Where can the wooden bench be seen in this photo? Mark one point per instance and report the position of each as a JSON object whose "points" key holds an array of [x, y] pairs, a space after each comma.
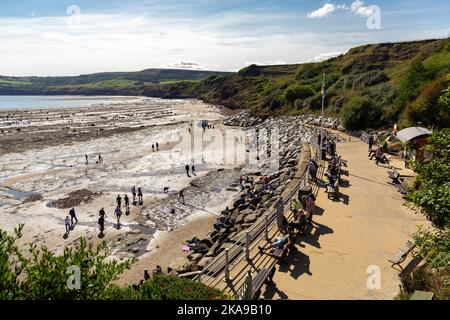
{"points": [[422, 295], [394, 175], [333, 193], [401, 255], [262, 276]]}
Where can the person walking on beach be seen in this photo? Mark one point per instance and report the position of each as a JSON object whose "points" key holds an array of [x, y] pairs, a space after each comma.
{"points": [[119, 201], [67, 224], [187, 170], [100, 159], [133, 192], [101, 224], [281, 219], [157, 146], [118, 214], [73, 216], [153, 147], [102, 213], [181, 196], [193, 170], [87, 159], [127, 204], [140, 197]]}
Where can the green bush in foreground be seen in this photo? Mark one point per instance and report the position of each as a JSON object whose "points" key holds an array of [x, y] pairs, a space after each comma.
{"points": [[40, 275]]}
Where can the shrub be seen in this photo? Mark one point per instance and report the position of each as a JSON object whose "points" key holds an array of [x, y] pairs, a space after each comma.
{"points": [[295, 91], [360, 113], [428, 108]]}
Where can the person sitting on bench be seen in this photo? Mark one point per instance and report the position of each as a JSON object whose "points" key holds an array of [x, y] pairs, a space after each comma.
{"points": [[286, 241], [300, 223], [331, 181]]}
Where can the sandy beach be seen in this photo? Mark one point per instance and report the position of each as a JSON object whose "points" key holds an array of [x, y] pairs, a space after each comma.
{"points": [[44, 174]]}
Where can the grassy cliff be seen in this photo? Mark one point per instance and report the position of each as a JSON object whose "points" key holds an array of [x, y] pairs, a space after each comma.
{"points": [[370, 86]]}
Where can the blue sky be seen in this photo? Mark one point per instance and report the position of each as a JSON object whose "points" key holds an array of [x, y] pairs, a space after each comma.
{"points": [[59, 37]]}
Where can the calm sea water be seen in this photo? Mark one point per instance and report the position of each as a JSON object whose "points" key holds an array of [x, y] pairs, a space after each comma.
{"points": [[42, 102]]}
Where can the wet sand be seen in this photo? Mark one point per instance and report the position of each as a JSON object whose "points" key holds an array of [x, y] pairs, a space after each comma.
{"points": [[45, 160]]}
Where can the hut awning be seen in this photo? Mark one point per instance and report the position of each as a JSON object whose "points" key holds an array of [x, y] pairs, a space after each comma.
{"points": [[412, 133]]}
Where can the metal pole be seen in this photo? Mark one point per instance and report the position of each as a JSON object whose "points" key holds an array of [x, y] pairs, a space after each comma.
{"points": [[321, 120], [227, 269], [247, 246], [248, 286], [266, 229]]}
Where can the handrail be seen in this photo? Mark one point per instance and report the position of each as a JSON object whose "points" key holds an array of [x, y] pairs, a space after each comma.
{"points": [[216, 267]]}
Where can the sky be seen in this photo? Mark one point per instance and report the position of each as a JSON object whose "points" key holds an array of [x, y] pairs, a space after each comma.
{"points": [[59, 37]]}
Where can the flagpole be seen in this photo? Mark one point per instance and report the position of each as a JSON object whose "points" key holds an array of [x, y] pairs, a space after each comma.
{"points": [[321, 120]]}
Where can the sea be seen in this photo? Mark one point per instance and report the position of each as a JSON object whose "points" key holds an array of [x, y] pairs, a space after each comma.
{"points": [[44, 102]]}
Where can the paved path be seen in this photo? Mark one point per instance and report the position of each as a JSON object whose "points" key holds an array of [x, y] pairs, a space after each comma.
{"points": [[366, 227]]}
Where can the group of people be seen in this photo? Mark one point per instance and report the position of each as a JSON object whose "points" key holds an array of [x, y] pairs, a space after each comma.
{"points": [[99, 161], [140, 196], [155, 145], [69, 222], [190, 169]]}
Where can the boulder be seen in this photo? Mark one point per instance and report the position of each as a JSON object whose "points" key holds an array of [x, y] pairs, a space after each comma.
{"points": [[250, 218], [212, 251], [181, 265], [204, 262], [240, 219], [195, 257]]}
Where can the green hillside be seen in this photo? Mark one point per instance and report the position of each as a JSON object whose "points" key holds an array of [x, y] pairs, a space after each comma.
{"points": [[373, 86], [114, 83]]}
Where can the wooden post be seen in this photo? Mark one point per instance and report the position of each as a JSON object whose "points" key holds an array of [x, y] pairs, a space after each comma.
{"points": [[266, 229], [248, 286], [227, 267], [247, 246]]}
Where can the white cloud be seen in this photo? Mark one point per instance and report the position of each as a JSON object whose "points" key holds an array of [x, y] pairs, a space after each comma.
{"points": [[130, 41], [325, 56], [186, 65], [322, 12], [358, 8]]}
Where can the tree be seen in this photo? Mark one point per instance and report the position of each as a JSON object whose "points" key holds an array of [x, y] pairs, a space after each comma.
{"points": [[431, 192], [360, 113], [429, 108]]}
